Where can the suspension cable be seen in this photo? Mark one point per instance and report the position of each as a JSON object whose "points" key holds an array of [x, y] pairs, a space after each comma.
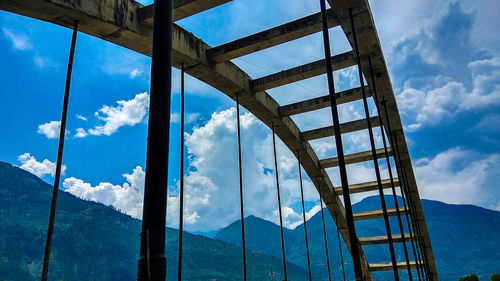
{"points": [[402, 184], [279, 203], [304, 215], [356, 259], [374, 153], [396, 204], [324, 234], [241, 190], [57, 175], [340, 249], [181, 180]]}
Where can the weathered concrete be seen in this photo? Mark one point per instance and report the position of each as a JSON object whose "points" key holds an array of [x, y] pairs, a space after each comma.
{"points": [[348, 127], [376, 240], [272, 37], [322, 102], [367, 186], [377, 214], [354, 158], [182, 9], [302, 72], [388, 266]]}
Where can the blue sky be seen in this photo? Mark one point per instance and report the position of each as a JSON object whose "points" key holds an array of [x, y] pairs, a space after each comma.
{"points": [[444, 61]]}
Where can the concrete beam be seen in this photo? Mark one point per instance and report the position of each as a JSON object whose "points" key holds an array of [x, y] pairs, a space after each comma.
{"points": [[388, 266], [348, 127], [322, 102], [354, 158], [182, 9], [302, 72], [367, 186], [376, 240], [271, 37], [377, 214]]}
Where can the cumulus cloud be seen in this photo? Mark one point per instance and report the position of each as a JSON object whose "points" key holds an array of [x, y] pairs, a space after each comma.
{"points": [[126, 197], [81, 133], [51, 129], [39, 169], [126, 113], [460, 176]]}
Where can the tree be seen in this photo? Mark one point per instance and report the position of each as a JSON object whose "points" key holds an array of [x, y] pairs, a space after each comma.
{"points": [[495, 277], [472, 277]]}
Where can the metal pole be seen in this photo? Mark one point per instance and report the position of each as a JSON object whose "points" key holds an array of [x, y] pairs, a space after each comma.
{"points": [[279, 202], [304, 215], [152, 262], [374, 153], [324, 235], [181, 180], [241, 190], [388, 161], [340, 149], [57, 175]]}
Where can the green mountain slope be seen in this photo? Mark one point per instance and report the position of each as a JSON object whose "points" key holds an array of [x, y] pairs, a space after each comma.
{"points": [[465, 240], [95, 242]]}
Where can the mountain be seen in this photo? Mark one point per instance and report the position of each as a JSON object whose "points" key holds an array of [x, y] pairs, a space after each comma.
{"points": [[465, 240], [95, 242]]}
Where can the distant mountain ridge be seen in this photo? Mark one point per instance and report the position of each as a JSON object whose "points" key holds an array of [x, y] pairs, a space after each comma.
{"points": [[95, 242], [465, 239]]}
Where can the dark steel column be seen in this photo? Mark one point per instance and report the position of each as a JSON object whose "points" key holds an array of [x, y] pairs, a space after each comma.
{"points": [[241, 190], [57, 175], [324, 235], [152, 261], [388, 161], [279, 202], [304, 215], [340, 149], [374, 152], [181, 180]]}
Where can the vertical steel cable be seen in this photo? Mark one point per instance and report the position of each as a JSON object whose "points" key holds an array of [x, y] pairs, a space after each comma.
{"points": [[304, 215], [324, 235], [57, 175], [416, 228], [402, 183], [279, 202], [356, 259], [340, 250], [374, 153], [396, 204], [241, 190], [181, 180]]}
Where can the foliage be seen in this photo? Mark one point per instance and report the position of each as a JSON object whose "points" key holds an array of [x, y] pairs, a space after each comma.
{"points": [[495, 277], [472, 277]]}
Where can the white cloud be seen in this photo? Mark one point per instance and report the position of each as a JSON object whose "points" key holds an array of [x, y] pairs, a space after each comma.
{"points": [[50, 130], [431, 107], [134, 73], [81, 117], [39, 169], [460, 176], [128, 197], [128, 112], [81, 133], [188, 118], [19, 42]]}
